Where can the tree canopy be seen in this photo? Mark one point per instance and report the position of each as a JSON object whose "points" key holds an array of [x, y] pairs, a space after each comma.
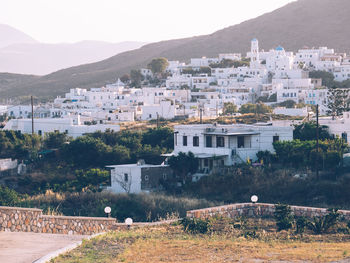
{"points": [[158, 65], [258, 108]]}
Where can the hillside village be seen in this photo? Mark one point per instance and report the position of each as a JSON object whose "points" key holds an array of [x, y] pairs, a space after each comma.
{"points": [[172, 89], [274, 82]]}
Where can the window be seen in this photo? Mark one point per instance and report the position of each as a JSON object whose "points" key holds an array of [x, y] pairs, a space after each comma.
{"points": [[126, 177], [175, 138], [208, 141], [240, 141], [206, 163], [220, 141], [40, 132], [184, 140], [344, 136], [275, 138], [195, 141]]}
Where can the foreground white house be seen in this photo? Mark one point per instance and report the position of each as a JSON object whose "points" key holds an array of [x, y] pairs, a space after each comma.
{"points": [[219, 145], [71, 126], [138, 178]]}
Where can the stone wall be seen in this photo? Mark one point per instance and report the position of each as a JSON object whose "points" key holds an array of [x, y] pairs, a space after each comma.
{"points": [[258, 210], [17, 219]]}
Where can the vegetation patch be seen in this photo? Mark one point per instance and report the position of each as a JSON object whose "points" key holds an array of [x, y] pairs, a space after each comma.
{"points": [[223, 243]]}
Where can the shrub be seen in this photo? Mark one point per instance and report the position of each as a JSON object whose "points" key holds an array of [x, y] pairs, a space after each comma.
{"points": [[8, 197], [195, 225], [321, 225], [300, 222], [283, 217]]}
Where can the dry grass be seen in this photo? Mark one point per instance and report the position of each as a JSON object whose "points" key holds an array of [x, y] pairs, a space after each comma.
{"points": [[170, 244]]}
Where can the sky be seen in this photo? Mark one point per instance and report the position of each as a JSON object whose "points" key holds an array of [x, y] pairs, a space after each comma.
{"points": [[57, 21]]}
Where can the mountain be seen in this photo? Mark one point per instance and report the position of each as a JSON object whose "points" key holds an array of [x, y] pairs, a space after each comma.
{"points": [[298, 24], [42, 59], [10, 35]]}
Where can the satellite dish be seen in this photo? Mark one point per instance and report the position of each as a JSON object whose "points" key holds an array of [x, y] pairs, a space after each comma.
{"points": [[254, 199]]}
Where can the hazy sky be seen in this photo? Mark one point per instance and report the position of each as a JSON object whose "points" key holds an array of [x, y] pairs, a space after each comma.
{"points": [[120, 20]]}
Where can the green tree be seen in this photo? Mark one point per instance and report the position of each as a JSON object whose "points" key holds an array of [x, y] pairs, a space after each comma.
{"points": [[136, 78], [258, 108], [8, 197], [125, 78], [307, 131], [87, 152], [55, 140], [184, 164], [158, 65], [162, 137], [327, 77], [229, 108]]}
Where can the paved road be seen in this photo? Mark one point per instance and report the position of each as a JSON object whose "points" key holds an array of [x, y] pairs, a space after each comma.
{"points": [[22, 247]]}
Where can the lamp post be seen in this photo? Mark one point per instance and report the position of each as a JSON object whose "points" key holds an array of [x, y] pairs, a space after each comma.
{"points": [[128, 222], [254, 199], [108, 211]]}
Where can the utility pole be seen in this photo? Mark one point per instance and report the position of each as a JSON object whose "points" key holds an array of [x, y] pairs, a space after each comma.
{"points": [[216, 108], [317, 146], [31, 100], [200, 115], [157, 120]]}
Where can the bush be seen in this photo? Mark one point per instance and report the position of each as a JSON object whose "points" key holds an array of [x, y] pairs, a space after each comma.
{"points": [[195, 225], [301, 223], [321, 225], [283, 217], [8, 197]]}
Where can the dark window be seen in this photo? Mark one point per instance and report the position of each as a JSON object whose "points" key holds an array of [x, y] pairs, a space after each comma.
{"points": [[184, 140], [240, 141], [276, 138], [195, 141], [126, 177], [175, 138], [220, 141], [208, 141], [40, 132], [344, 136], [206, 162]]}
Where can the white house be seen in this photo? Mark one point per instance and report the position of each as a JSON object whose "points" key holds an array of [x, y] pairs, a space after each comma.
{"points": [[71, 126], [218, 145], [338, 126], [138, 178]]}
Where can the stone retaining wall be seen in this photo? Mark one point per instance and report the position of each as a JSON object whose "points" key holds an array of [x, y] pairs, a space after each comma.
{"points": [[17, 219], [258, 210]]}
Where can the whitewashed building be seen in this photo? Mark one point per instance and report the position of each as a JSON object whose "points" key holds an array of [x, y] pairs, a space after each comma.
{"points": [[71, 126], [138, 178], [219, 145]]}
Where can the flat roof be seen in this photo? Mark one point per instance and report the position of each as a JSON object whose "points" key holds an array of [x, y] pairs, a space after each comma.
{"points": [[136, 165], [232, 133]]}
